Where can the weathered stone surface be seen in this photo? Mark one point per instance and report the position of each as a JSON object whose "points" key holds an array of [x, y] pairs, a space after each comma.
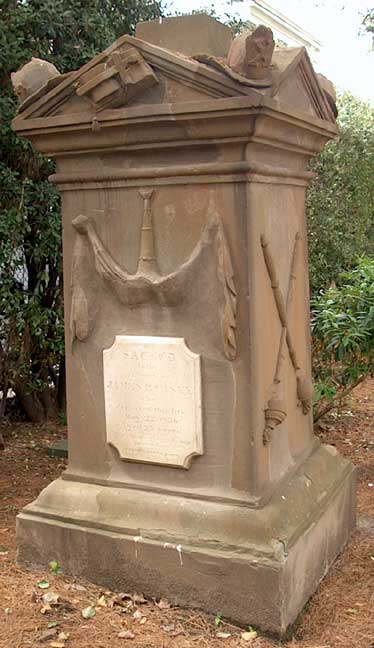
{"points": [[184, 218], [117, 81], [188, 35], [32, 77], [153, 400], [260, 568], [250, 53]]}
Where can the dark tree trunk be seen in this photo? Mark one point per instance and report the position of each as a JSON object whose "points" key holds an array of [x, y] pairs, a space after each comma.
{"points": [[30, 403]]}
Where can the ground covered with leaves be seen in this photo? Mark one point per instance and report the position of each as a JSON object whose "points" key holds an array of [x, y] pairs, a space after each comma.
{"points": [[55, 611]]}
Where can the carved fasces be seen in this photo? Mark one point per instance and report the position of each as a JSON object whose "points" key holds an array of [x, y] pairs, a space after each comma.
{"points": [[114, 83], [275, 411], [251, 53], [147, 284]]}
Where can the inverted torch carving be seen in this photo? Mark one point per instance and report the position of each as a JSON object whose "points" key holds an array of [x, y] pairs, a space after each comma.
{"points": [[147, 284], [275, 412]]}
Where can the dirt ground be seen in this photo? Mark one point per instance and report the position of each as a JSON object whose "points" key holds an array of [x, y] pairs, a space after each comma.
{"points": [[339, 615]]}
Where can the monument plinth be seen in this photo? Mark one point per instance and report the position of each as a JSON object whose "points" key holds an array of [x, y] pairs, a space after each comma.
{"points": [[193, 470]]}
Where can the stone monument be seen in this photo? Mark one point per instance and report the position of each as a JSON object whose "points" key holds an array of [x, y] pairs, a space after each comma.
{"points": [[193, 470]]}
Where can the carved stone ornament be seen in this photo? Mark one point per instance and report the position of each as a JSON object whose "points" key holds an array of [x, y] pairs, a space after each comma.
{"points": [[251, 53], [275, 411], [221, 65], [114, 83], [83, 304], [152, 393], [147, 284]]}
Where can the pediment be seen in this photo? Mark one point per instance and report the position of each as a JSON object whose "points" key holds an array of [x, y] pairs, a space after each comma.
{"points": [[298, 86], [132, 72], [128, 73]]}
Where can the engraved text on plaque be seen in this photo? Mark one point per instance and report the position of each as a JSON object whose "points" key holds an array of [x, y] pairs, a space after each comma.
{"points": [[152, 391]]}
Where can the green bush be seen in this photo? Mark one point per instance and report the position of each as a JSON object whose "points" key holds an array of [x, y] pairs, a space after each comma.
{"points": [[343, 336], [340, 200], [68, 33]]}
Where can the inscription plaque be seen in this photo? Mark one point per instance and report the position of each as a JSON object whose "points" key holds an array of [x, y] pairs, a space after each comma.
{"points": [[152, 390]]}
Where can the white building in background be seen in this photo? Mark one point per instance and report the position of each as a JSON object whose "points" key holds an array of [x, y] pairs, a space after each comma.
{"points": [[331, 31], [284, 29]]}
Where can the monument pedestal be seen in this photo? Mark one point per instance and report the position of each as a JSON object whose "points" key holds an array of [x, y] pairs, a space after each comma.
{"points": [[257, 566], [193, 470]]}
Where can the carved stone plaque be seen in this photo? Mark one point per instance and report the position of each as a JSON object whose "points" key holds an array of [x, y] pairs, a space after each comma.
{"points": [[152, 388]]}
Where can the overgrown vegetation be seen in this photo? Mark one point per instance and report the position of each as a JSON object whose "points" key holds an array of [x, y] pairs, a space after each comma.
{"points": [[340, 203], [343, 336], [68, 34]]}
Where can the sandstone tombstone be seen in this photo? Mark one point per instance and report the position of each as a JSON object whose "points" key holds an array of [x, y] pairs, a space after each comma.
{"points": [[193, 470]]}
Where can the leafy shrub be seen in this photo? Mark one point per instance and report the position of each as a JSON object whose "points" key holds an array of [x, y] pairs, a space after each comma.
{"points": [[340, 200], [67, 33], [343, 336]]}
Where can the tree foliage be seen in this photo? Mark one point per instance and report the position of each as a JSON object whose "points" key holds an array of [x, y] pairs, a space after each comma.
{"points": [[340, 203], [343, 335], [68, 34], [368, 21]]}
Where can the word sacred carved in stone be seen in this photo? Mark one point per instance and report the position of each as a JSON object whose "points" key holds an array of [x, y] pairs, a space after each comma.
{"points": [[152, 390]]}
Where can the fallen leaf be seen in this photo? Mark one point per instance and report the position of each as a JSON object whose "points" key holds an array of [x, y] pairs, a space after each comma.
{"points": [[43, 584], [47, 635], [138, 598], [249, 636], [143, 620], [88, 612], [126, 634], [137, 614], [53, 624], [223, 635], [45, 608], [76, 586], [163, 605], [57, 644], [53, 566], [102, 601], [50, 598], [63, 636], [168, 628], [35, 596]]}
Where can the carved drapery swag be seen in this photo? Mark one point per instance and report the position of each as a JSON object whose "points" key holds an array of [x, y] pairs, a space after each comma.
{"points": [[147, 284]]}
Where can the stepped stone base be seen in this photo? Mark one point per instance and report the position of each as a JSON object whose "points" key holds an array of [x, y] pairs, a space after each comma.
{"points": [[255, 566]]}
